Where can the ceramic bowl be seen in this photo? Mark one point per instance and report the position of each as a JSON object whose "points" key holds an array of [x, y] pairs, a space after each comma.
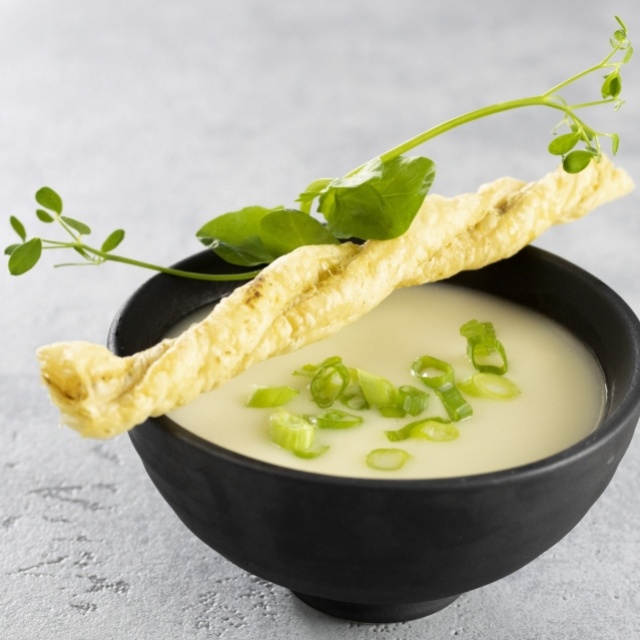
{"points": [[374, 550]]}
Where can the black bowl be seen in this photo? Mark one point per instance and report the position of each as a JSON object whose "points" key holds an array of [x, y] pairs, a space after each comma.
{"points": [[392, 550]]}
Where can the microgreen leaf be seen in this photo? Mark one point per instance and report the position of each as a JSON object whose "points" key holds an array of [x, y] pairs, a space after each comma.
{"points": [[76, 225], [113, 240], [615, 143], [380, 201], [577, 160], [564, 143], [49, 199], [18, 227], [25, 256], [612, 85], [10, 249], [44, 216], [284, 230], [235, 236], [312, 191]]}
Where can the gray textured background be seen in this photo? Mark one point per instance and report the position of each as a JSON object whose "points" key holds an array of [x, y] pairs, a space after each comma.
{"points": [[157, 115]]}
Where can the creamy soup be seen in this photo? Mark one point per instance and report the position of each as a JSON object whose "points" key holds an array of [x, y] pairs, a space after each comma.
{"points": [[561, 400]]}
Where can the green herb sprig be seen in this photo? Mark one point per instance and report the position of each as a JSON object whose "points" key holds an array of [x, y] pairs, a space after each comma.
{"points": [[377, 200]]}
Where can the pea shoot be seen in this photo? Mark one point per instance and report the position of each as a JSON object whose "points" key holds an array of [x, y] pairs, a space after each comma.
{"points": [[377, 200]]}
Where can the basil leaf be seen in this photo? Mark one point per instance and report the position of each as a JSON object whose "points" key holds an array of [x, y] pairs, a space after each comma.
{"points": [[49, 199], [284, 230], [235, 236], [380, 201], [25, 256]]}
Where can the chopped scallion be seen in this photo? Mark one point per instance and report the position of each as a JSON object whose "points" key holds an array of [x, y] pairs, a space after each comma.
{"points": [[435, 373], [314, 451], [412, 400], [291, 431], [392, 412], [294, 433], [335, 419], [310, 370], [490, 385], [387, 459], [486, 352], [397, 435], [378, 391], [435, 429], [328, 384], [352, 396], [264, 397], [456, 406], [438, 375]]}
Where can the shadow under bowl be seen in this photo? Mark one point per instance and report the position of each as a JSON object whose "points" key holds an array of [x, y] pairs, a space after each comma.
{"points": [[374, 550]]}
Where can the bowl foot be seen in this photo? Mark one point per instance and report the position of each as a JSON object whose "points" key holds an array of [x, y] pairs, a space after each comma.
{"points": [[375, 613]]}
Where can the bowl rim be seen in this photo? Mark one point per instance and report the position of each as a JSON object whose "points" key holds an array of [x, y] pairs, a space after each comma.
{"points": [[605, 431]]}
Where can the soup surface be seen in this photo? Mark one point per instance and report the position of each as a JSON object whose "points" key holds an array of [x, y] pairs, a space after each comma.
{"points": [[561, 400]]}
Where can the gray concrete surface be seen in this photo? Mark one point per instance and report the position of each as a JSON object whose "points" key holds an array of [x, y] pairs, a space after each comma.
{"points": [[155, 116]]}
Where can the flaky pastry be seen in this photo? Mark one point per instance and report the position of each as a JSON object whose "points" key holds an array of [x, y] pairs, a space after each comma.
{"points": [[310, 294]]}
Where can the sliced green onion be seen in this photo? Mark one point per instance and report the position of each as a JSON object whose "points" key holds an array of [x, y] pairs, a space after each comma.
{"points": [[433, 372], [392, 412], [378, 392], [291, 431], [335, 419], [314, 451], [490, 385], [455, 405], [271, 397], [296, 434], [438, 375], [397, 435], [328, 384], [412, 400], [387, 459], [435, 429], [352, 396], [483, 347], [407, 399], [490, 357], [310, 370], [354, 399], [474, 330]]}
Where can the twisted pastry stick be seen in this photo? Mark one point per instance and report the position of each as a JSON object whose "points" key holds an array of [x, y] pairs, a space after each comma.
{"points": [[310, 294]]}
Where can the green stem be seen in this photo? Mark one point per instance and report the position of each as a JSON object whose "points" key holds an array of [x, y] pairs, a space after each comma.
{"points": [[168, 270], [464, 119], [595, 103], [584, 73]]}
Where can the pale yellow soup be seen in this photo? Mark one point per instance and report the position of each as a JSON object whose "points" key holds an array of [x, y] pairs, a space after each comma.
{"points": [[561, 400]]}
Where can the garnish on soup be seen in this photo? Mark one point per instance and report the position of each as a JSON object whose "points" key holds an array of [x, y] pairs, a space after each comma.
{"points": [[375, 201]]}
